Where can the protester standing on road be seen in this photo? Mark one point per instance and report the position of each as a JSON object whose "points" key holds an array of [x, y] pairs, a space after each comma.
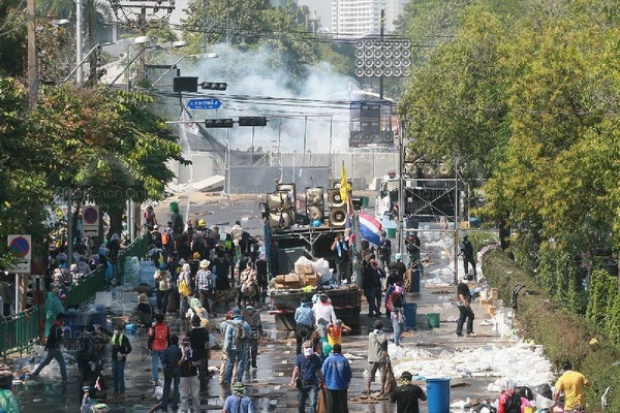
{"points": [[337, 375], [120, 348], [150, 220], [199, 339], [205, 287], [236, 346], [467, 251], [372, 287], [384, 251], [397, 313], [335, 332], [159, 335], [407, 395], [172, 373], [238, 402], [221, 267], [184, 278], [464, 304], [163, 281], [412, 243], [304, 322], [54, 349], [190, 384], [324, 309], [252, 316], [378, 357], [571, 383], [307, 377]]}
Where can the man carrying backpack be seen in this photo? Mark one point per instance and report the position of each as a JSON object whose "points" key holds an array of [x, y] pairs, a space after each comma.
{"points": [[378, 357], [238, 402], [236, 341], [159, 335], [466, 313]]}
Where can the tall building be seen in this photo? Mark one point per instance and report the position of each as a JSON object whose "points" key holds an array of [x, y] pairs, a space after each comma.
{"points": [[359, 18]]}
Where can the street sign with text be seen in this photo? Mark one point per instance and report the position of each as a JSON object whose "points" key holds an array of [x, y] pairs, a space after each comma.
{"points": [[210, 103]]}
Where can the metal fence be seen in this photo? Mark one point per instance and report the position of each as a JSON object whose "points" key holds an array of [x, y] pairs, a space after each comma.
{"points": [[361, 167], [19, 332]]}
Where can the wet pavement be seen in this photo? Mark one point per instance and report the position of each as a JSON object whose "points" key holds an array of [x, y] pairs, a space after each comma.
{"points": [[268, 385]]}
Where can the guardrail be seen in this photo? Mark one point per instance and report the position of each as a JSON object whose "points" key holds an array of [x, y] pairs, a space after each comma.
{"points": [[86, 289], [19, 332]]}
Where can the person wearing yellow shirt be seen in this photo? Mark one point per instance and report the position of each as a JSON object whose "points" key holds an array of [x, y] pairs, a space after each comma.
{"points": [[572, 384], [335, 331]]}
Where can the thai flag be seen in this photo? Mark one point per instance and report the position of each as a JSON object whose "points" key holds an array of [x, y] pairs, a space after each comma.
{"points": [[370, 229]]}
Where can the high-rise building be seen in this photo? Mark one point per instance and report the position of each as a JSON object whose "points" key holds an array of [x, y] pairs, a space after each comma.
{"points": [[359, 18]]}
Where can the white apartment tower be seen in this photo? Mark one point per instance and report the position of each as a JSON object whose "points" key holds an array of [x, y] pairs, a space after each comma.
{"points": [[359, 18]]}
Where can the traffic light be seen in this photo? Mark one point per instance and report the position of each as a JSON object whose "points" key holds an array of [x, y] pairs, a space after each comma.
{"points": [[185, 84], [218, 123], [252, 121], [214, 85]]}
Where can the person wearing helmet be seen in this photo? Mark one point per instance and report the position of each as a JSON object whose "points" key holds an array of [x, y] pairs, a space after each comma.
{"points": [[238, 402], [163, 282]]}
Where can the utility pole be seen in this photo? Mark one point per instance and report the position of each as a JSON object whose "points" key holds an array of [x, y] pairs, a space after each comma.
{"points": [[33, 75], [401, 188], [142, 63], [78, 40], [381, 35], [456, 221], [92, 42]]}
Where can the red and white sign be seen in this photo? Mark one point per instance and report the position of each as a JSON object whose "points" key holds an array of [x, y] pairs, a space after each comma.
{"points": [[90, 220], [20, 247]]}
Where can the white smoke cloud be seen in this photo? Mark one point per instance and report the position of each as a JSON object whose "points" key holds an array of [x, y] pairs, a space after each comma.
{"points": [[311, 114]]}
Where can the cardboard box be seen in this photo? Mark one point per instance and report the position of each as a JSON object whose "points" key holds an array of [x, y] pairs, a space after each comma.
{"points": [[312, 279], [308, 269]]}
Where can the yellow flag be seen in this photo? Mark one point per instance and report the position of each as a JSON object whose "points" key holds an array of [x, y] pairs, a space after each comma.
{"points": [[344, 185]]}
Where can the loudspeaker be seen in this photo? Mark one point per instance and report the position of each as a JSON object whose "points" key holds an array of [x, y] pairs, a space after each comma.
{"points": [[338, 217], [364, 138], [280, 219], [314, 203], [334, 199]]}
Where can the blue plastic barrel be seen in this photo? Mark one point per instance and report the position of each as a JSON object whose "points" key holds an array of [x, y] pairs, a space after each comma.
{"points": [[410, 314], [438, 395]]}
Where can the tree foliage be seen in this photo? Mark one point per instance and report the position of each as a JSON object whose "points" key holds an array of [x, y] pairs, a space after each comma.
{"points": [[527, 92]]}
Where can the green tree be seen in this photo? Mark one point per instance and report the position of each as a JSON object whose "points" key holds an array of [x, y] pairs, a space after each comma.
{"points": [[12, 38]]}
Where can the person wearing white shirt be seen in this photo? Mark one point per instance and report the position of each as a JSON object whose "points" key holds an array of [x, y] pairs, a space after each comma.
{"points": [[324, 309]]}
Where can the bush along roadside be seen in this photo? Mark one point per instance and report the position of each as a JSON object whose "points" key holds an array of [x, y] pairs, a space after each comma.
{"points": [[564, 335]]}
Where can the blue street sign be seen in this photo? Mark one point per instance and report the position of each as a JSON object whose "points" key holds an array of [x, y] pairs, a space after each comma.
{"points": [[209, 103]]}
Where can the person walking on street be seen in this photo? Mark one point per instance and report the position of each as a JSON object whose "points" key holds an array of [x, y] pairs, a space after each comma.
{"points": [[163, 281], [205, 286], [199, 340], [53, 307], [120, 349], [337, 375], [236, 346], [159, 335], [252, 316], [467, 251], [378, 358], [304, 322], [466, 313], [238, 402], [54, 349], [190, 384], [307, 377], [397, 270], [571, 383], [372, 282], [172, 374], [407, 395], [397, 313]]}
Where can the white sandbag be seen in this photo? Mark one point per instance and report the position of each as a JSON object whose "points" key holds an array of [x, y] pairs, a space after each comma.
{"points": [[301, 263], [321, 267]]}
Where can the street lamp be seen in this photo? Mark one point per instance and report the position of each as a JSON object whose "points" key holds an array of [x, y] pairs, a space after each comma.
{"points": [[191, 56], [141, 40]]}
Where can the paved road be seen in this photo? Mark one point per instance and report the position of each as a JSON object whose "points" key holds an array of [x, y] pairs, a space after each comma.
{"points": [[269, 383]]}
